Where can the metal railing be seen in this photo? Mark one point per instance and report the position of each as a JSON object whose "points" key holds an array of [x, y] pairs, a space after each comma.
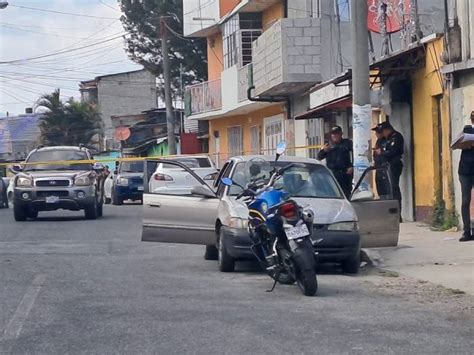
{"points": [[203, 97]]}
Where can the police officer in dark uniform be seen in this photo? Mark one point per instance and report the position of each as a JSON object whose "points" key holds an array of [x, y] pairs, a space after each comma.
{"points": [[393, 152], [466, 177], [381, 177], [338, 155]]}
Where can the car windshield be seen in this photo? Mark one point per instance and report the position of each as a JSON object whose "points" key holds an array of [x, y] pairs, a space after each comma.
{"points": [[131, 167], [305, 180], [192, 163], [57, 157]]}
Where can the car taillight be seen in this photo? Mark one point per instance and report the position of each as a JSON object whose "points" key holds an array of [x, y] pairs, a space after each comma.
{"points": [[162, 177], [288, 210]]}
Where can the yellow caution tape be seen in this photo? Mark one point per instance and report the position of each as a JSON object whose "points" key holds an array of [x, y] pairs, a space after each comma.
{"points": [[112, 159]]}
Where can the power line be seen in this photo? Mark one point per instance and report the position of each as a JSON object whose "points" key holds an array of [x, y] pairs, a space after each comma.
{"points": [[61, 12], [38, 32], [109, 6], [62, 52]]}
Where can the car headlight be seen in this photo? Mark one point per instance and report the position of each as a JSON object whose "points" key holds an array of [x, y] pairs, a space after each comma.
{"points": [[122, 181], [24, 182], [344, 227], [82, 181], [238, 223]]}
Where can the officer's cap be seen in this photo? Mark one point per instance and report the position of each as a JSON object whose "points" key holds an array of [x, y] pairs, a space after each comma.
{"points": [[385, 125], [336, 130]]}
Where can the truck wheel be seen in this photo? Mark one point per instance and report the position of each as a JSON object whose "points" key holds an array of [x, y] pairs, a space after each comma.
{"points": [[19, 213], [91, 211], [352, 265], [116, 200], [32, 213], [226, 262], [211, 253]]}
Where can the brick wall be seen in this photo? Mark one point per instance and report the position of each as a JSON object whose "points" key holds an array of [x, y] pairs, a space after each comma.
{"points": [[125, 94], [288, 53]]}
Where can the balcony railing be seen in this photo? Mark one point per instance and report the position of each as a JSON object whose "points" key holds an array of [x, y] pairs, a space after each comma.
{"points": [[203, 97]]}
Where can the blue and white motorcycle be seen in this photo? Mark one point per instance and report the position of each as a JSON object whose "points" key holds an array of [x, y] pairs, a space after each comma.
{"points": [[280, 229]]}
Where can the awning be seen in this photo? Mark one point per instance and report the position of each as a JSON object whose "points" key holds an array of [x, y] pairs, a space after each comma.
{"points": [[339, 104]]}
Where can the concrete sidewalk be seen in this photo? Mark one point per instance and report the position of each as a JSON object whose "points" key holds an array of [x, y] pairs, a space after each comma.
{"points": [[437, 257]]}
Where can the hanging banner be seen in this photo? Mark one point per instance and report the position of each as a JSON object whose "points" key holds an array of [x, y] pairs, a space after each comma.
{"points": [[397, 13]]}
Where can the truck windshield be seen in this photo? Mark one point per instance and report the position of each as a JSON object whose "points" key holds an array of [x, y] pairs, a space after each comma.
{"points": [[131, 167], [59, 159]]}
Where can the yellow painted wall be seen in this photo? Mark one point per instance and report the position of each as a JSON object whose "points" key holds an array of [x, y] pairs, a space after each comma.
{"points": [[426, 85], [272, 14], [246, 122], [215, 58]]}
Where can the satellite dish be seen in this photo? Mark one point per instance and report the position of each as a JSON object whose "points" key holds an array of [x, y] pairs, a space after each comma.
{"points": [[122, 133]]}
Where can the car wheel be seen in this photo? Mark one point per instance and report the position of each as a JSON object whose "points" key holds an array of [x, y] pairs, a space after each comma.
{"points": [[19, 213], [91, 211], [32, 213], [352, 265], [116, 200], [226, 262], [107, 200], [211, 253]]}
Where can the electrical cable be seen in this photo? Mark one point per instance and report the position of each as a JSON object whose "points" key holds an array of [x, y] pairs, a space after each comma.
{"points": [[61, 12]]}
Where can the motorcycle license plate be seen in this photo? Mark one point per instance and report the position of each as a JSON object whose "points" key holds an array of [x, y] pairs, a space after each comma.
{"points": [[52, 199], [297, 232]]}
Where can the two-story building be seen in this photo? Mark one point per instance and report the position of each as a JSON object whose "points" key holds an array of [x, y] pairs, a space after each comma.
{"points": [[120, 94]]}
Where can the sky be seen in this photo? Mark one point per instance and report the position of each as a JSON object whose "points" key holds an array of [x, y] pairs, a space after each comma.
{"points": [[26, 34]]}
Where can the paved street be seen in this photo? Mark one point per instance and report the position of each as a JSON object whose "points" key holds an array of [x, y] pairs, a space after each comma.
{"points": [[69, 285]]}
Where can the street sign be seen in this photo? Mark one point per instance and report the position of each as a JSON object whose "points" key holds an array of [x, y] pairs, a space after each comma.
{"points": [[397, 13], [122, 133]]}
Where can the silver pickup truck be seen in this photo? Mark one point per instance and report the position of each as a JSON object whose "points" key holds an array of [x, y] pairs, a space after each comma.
{"points": [[51, 180]]}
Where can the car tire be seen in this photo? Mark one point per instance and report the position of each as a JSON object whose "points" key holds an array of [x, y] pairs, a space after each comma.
{"points": [[211, 253], [352, 265], [91, 211], [19, 213], [116, 200], [32, 213], [226, 262], [107, 200]]}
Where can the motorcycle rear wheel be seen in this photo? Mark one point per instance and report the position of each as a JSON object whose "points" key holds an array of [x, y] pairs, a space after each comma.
{"points": [[308, 282]]}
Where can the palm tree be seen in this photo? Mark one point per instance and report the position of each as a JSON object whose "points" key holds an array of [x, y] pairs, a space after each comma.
{"points": [[70, 123]]}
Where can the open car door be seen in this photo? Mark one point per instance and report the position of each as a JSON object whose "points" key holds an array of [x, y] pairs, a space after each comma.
{"points": [[184, 215], [377, 210]]}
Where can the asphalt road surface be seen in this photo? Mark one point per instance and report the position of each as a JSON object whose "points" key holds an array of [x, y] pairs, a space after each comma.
{"points": [[69, 285]]}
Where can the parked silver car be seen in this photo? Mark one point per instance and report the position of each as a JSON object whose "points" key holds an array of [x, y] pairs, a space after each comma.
{"points": [[168, 176], [219, 220]]}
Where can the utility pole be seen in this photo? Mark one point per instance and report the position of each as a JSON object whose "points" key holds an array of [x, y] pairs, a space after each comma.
{"points": [[170, 119], [361, 108]]}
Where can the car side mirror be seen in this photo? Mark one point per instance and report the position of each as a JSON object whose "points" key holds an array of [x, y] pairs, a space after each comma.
{"points": [[202, 191], [15, 169]]}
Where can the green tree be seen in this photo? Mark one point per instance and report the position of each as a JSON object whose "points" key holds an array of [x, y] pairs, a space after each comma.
{"points": [[141, 21], [68, 123]]}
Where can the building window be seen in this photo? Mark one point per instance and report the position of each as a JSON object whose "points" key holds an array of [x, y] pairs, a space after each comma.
{"points": [[255, 140], [342, 10], [234, 141], [239, 32], [273, 133]]}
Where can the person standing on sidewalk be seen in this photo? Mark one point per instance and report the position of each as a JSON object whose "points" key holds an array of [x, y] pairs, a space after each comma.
{"points": [[393, 153], [466, 177], [381, 178], [338, 155]]}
